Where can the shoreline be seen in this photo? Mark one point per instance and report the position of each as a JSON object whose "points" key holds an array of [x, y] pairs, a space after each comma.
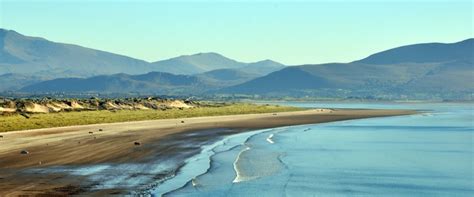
{"points": [[159, 140]]}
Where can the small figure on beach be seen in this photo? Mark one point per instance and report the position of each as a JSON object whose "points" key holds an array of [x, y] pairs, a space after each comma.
{"points": [[137, 143], [24, 152]]}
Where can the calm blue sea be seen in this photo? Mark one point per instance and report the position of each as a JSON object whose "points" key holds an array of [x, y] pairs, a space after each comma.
{"points": [[428, 154]]}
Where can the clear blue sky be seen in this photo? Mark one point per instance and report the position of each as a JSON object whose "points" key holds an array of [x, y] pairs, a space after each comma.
{"points": [[286, 31]]}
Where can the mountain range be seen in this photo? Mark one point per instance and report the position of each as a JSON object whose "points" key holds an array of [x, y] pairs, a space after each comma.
{"points": [[22, 56], [422, 71]]}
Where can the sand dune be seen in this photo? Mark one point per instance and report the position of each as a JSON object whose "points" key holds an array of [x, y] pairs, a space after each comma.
{"points": [[55, 105]]}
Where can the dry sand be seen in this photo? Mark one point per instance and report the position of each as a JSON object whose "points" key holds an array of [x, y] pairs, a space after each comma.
{"points": [[114, 143]]}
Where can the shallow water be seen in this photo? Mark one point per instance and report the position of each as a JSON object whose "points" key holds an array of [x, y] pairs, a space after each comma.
{"points": [[429, 154]]}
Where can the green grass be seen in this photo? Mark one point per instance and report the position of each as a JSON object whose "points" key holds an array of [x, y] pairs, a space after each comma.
{"points": [[36, 121]]}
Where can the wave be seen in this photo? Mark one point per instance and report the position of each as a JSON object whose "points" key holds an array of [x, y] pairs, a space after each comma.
{"points": [[269, 139], [269, 162], [192, 166], [202, 162], [192, 180], [239, 176]]}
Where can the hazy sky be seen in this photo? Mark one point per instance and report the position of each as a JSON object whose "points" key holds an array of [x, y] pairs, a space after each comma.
{"points": [[286, 31]]}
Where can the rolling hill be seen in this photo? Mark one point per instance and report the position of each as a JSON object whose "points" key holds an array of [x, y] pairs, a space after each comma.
{"points": [[415, 71], [153, 82], [150, 83], [423, 53], [11, 81], [226, 77]]}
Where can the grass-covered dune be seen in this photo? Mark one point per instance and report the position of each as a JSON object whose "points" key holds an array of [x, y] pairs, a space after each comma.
{"points": [[47, 120]]}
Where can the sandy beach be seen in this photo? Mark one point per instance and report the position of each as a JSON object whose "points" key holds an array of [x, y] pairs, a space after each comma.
{"points": [[130, 142]]}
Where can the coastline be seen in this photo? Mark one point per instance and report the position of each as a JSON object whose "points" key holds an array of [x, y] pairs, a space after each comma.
{"points": [[159, 139]]}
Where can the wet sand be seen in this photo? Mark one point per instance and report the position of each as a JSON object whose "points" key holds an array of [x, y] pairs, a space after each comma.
{"points": [[114, 143]]}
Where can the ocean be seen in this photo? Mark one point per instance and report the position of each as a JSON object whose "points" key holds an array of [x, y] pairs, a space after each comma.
{"points": [[426, 154]]}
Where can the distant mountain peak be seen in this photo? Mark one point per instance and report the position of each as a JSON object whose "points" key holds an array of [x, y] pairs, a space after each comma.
{"points": [[206, 54], [196, 63], [37, 56], [267, 61], [12, 33], [469, 40], [5, 31], [209, 53]]}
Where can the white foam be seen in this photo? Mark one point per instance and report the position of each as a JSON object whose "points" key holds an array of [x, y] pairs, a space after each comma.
{"points": [[200, 163], [239, 177], [269, 139]]}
